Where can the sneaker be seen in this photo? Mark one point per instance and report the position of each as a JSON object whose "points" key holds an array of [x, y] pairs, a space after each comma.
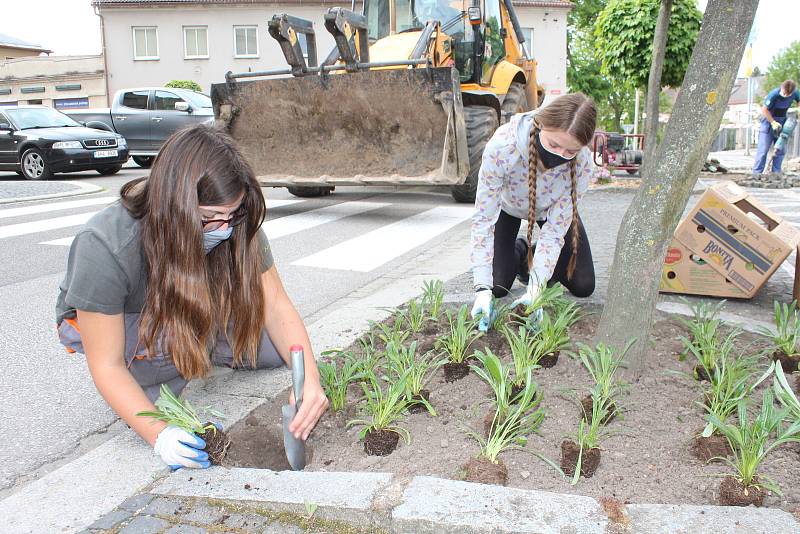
{"points": [[521, 246]]}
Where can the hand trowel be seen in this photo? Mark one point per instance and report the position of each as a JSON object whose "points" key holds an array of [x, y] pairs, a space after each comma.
{"points": [[295, 448]]}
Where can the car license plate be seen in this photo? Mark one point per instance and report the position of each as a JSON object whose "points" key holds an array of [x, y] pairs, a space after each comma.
{"points": [[106, 153]]}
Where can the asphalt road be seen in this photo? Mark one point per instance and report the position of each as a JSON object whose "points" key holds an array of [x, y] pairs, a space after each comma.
{"points": [[324, 249]]}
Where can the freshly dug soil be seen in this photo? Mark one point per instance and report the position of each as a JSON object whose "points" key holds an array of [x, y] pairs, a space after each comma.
{"points": [[586, 411], [701, 374], [416, 406], [549, 360], [259, 443], [483, 470], [217, 444], [455, 371], [646, 455], [569, 459], [714, 446], [789, 363], [732, 493], [380, 442]]}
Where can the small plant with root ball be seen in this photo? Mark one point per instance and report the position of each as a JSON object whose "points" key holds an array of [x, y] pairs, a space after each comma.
{"points": [[786, 338], [337, 378], [416, 370], [456, 342], [383, 410]]}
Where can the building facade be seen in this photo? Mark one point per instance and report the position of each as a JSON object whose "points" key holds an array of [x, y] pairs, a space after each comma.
{"points": [[62, 82], [12, 48], [151, 42]]}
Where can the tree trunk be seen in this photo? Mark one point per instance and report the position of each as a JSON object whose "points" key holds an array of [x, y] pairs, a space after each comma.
{"points": [[654, 81], [651, 219]]}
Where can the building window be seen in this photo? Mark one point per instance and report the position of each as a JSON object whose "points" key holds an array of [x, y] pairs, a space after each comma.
{"points": [[245, 41], [29, 90], [35, 102], [528, 34], [69, 87], [195, 42], [145, 43], [5, 91]]}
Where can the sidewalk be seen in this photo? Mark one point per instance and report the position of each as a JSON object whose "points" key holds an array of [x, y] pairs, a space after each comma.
{"points": [[125, 489], [734, 160], [12, 191]]}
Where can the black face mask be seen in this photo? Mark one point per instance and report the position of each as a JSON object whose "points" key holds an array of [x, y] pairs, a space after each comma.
{"points": [[549, 159]]}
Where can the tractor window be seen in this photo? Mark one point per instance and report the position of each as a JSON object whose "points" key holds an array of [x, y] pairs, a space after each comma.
{"points": [[494, 47], [405, 16], [377, 13]]}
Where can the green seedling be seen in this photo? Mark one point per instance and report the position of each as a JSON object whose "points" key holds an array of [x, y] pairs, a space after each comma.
{"points": [[394, 333], [602, 363], [730, 384], [335, 380], [500, 318], [432, 298], [461, 335], [567, 312], [417, 370], [414, 316], [703, 326], [179, 412], [523, 344], [708, 351], [547, 298], [589, 435], [786, 337], [492, 371], [311, 508], [383, 408], [784, 393], [750, 441], [553, 335]]}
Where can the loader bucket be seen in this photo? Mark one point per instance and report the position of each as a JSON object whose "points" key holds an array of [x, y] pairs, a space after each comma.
{"points": [[389, 126]]}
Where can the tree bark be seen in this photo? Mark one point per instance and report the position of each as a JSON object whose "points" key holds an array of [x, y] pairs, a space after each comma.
{"points": [[651, 219], [654, 81]]}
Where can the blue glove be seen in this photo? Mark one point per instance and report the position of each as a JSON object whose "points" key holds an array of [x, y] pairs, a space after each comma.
{"points": [[178, 448], [483, 308]]}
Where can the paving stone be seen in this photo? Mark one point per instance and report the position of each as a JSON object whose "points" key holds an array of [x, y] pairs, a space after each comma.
{"points": [[249, 522], [185, 529], [144, 524], [205, 514], [164, 506], [137, 502], [282, 528], [111, 519]]}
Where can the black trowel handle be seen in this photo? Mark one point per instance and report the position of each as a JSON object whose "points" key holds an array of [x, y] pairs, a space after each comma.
{"points": [[298, 373]]}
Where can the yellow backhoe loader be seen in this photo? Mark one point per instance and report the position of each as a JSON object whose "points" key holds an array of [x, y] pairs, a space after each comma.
{"points": [[410, 95]]}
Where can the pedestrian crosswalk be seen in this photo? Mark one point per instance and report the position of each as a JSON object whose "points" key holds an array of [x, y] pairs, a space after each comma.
{"points": [[377, 239]]}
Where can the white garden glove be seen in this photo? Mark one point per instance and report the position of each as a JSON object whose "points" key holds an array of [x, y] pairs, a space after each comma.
{"points": [[178, 448], [482, 309], [776, 127], [530, 296]]}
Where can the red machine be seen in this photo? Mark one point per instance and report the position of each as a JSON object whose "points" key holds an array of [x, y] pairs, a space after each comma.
{"points": [[613, 151]]}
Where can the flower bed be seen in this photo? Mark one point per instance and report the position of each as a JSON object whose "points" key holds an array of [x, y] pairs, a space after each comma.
{"points": [[649, 451]]}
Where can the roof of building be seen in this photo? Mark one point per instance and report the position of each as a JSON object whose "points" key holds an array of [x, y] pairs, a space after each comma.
{"points": [[739, 91], [125, 3], [12, 42]]}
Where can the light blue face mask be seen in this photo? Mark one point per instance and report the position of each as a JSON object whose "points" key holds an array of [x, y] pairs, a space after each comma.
{"points": [[215, 237]]}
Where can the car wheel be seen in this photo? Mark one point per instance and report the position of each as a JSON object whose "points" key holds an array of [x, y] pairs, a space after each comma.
{"points": [[34, 166], [108, 171], [144, 161], [19, 172]]}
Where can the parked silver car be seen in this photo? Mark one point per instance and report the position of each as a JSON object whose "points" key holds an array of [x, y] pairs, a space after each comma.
{"points": [[147, 116]]}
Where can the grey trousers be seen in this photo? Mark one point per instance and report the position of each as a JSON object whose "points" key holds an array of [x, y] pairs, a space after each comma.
{"points": [[152, 371]]}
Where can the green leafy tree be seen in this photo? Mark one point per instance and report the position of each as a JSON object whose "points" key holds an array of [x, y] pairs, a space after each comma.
{"points": [[784, 66], [624, 38], [185, 84]]}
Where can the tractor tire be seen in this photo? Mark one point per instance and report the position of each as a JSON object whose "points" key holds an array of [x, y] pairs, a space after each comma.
{"points": [[144, 162], [516, 101], [481, 123], [310, 192]]}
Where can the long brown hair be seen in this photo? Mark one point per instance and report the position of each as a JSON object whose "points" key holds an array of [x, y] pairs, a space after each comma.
{"points": [[191, 297], [576, 115]]}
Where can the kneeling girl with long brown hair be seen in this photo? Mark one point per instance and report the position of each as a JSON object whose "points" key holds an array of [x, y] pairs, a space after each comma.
{"points": [[178, 276]]}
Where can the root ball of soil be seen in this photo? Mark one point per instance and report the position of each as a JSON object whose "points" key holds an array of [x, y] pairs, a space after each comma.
{"points": [[714, 446], [733, 493], [789, 363], [484, 471], [549, 360], [415, 405], [455, 371], [380, 442], [217, 443], [701, 374], [586, 411], [569, 459]]}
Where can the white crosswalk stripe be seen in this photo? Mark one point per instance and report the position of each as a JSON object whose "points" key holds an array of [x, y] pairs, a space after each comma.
{"points": [[57, 206], [300, 222], [373, 249], [44, 225]]}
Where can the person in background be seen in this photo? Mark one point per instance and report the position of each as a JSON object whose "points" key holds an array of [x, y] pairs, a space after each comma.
{"points": [[776, 104]]}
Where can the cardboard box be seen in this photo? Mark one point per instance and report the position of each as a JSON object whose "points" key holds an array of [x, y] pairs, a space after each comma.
{"points": [[688, 274], [737, 236]]}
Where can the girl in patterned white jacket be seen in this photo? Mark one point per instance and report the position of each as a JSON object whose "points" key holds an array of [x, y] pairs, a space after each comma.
{"points": [[535, 167]]}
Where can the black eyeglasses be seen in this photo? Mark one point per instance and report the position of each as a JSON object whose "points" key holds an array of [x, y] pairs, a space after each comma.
{"points": [[236, 218]]}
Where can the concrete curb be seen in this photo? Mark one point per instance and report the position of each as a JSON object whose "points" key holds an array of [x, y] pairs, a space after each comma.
{"points": [[83, 189], [428, 505]]}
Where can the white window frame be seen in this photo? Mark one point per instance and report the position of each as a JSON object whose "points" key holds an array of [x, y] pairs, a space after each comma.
{"points": [[245, 27], [529, 38], [185, 49], [133, 35]]}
